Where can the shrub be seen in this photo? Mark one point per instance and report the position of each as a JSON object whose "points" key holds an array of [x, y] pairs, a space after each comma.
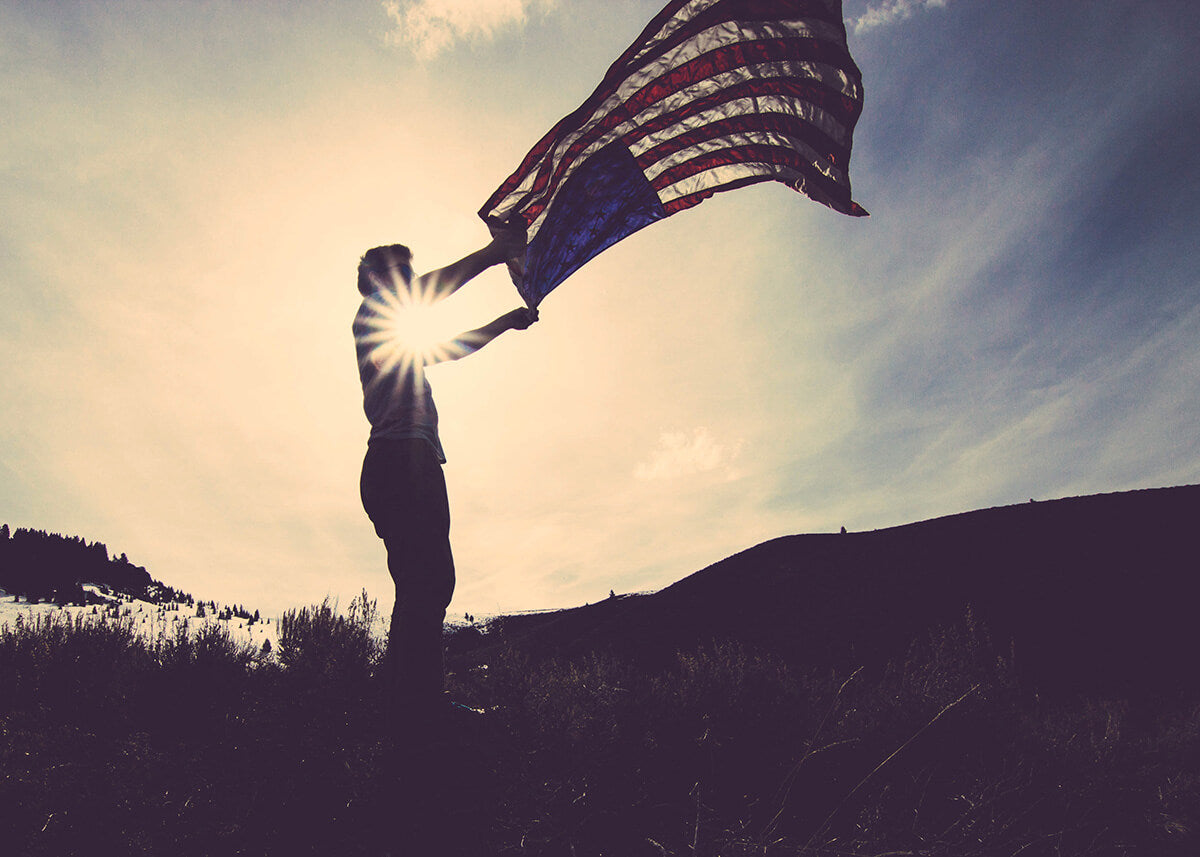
{"points": [[193, 744], [71, 665], [322, 648]]}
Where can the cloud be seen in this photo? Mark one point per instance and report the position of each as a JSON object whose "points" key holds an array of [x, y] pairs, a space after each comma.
{"points": [[892, 12], [680, 453], [429, 27]]}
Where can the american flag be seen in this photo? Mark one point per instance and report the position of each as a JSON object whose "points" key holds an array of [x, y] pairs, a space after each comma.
{"points": [[714, 95]]}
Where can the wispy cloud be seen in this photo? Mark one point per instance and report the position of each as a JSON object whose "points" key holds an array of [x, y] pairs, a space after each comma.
{"points": [[681, 453], [429, 27], [890, 12]]}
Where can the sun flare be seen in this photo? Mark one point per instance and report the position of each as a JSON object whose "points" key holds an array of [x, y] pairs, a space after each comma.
{"points": [[406, 327]]}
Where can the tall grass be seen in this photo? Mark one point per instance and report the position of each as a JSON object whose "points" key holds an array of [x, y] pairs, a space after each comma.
{"points": [[191, 743]]}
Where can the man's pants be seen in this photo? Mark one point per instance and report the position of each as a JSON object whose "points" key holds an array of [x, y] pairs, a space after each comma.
{"points": [[404, 492]]}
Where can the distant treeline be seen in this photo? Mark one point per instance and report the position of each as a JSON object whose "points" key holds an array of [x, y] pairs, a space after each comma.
{"points": [[41, 566]]}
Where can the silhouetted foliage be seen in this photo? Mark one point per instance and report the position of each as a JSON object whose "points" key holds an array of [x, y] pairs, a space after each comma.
{"points": [[45, 566], [726, 746], [190, 743]]}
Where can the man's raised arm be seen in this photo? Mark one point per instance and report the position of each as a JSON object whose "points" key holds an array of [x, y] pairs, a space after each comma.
{"points": [[446, 281], [472, 340]]}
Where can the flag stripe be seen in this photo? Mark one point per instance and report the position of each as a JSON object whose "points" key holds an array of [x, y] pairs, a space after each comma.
{"points": [[754, 153], [715, 180], [681, 20], [726, 59], [779, 119], [736, 147], [724, 11], [713, 95], [685, 47], [685, 107], [769, 89], [748, 156]]}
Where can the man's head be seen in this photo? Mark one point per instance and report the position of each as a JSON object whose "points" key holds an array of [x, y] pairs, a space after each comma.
{"points": [[381, 265]]}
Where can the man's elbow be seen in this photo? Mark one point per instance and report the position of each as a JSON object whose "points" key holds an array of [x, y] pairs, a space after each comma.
{"points": [[455, 349]]}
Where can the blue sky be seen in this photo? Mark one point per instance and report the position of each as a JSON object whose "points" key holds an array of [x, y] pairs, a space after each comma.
{"points": [[186, 188]]}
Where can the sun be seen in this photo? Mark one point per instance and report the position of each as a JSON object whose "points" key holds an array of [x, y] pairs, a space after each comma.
{"points": [[413, 325], [405, 328]]}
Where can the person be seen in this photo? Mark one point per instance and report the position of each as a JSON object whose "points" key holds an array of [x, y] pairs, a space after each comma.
{"points": [[402, 485]]}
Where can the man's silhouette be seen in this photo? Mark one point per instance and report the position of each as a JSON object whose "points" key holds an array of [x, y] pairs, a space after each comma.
{"points": [[403, 488]]}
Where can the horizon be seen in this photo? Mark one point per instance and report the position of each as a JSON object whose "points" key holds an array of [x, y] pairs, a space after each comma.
{"points": [[189, 187], [469, 618]]}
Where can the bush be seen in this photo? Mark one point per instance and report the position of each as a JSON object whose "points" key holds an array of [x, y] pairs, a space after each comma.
{"points": [[193, 744], [320, 645], [71, 665]]}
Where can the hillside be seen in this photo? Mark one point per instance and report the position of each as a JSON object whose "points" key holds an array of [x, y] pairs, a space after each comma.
{"points": [[192, 742], [48, 566], [1094, 593], [51, 576]]}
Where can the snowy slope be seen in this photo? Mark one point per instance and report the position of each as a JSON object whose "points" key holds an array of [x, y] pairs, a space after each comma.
{"points": [[148, 618]]}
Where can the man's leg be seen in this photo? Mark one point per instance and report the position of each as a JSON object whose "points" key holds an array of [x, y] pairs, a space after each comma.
{"points": [[423, 572], [404, 491]]}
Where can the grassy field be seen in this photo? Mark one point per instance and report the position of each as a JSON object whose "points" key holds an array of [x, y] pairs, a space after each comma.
{"points": [[196, 744]]}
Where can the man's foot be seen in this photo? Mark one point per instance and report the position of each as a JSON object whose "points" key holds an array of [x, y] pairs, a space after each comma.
{"points": [[436, 722], [456, 720]]}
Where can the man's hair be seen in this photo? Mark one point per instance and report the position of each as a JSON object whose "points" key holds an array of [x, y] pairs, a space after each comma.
{"points": [[378, 260]]}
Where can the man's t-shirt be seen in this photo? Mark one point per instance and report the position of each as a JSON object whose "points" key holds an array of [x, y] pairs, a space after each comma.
{"points": [[397, 398]]}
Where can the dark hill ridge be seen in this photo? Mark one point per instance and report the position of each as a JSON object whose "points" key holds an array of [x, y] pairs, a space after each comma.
{"points": [[41, 565], [1096, 593]]}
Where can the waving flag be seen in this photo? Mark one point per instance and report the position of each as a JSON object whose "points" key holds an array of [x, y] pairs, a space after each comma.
{"points": [[714, 95]]}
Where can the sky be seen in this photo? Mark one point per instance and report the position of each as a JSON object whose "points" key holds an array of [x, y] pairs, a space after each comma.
{"points": [[186, 187]]}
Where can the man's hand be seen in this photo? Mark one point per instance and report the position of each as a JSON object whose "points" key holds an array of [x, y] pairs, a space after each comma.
{"points": [[472, 340], [521, 318], [508, 242]]}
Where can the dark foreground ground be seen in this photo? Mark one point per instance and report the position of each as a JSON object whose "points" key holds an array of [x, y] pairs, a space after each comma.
{"points": [[192, 745], [1014, 681]]}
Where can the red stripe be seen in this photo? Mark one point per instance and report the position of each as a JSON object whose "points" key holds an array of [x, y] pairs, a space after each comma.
{"points": [[682, 202], [841, 107], [720, 12], [721, 60], [786, 88], [723, 10], [618, 71], [572, 121], [758, 153], [792, 126]]}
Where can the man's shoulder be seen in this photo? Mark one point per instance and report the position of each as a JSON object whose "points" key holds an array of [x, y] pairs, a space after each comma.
{"points": [[368, 309]]}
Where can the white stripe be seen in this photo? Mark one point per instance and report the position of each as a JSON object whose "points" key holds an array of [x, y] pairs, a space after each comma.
{"points": [[680, 19], [764, 104], [787, 105], [768, 138], [713, 37], [726, 173], [834, 174], [725, 35]]}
